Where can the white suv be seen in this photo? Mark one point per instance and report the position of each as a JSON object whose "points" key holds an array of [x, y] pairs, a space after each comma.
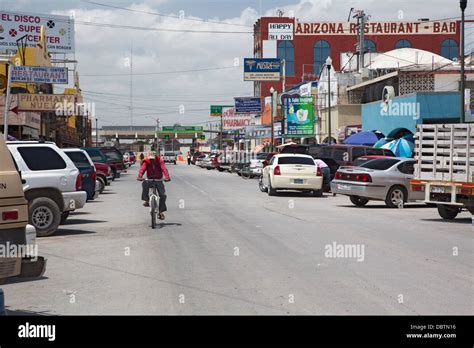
{"points": [[52, 183]]}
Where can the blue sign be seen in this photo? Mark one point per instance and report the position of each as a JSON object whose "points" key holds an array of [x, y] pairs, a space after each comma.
{"points": [[262, 69], [248, 105]]}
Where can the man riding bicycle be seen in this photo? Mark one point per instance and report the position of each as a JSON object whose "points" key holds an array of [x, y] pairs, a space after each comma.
{"points": [[155, 169]]}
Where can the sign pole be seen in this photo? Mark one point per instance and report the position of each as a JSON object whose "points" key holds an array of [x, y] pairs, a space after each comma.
{"points": [[7, 102], [220, 134]]}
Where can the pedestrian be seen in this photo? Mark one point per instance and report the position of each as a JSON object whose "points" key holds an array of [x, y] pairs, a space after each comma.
{"points": [[189, 158], [142, 157], [326, 171]]}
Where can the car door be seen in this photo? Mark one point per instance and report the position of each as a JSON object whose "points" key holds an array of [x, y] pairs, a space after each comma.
{"points": [[407, 170]]}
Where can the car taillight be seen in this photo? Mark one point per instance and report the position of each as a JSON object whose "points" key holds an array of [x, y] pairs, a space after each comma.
{"points": [[94, 174], [109, 170], [79, 183], [277, 171], [338, 176], [363, 177], [468, 191], [418, 188], [10, 215], [318, 171]]}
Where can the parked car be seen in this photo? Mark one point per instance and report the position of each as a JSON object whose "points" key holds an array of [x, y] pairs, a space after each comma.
{"points": [[14, 228], [169, 157], [195, 156], [225, 161], [364, 159], [104, 175], [200, 160], [256, 165], [126, 159], [292, 172], [85, 165], [345, 155], [133, 157], [211, 162], [109, 155], [381, 179], [52, 184]]}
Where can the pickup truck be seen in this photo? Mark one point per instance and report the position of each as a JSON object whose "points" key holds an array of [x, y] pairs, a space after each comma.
{"points": [[14, 228], [169, 157], [52, 183], [444, 168]]}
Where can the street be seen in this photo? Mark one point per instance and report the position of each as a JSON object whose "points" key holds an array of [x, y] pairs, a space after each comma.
{"points": [[227, 248]]}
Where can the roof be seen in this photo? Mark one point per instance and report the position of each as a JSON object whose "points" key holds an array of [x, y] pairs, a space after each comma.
{"points": [[407, 57]]}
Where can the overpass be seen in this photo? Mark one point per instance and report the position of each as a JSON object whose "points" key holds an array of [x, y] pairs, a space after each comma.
{"points": [[149, 132]]}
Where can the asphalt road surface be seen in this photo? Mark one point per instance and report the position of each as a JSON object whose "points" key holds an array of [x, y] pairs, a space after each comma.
{"points": [[227, 248]]}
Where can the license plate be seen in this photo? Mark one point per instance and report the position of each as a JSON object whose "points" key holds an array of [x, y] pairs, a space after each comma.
{"points": [[438, 189], [298, 181], [343, 187]]}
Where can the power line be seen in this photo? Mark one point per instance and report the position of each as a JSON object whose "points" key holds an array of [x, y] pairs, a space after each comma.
{"points": [[161, 72], [164, 15]]}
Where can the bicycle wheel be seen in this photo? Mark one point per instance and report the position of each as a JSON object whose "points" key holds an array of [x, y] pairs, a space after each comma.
{"points": [[153, 207]]}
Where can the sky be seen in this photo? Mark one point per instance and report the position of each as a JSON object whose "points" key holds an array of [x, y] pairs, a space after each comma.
{"points": [[177, 75]]}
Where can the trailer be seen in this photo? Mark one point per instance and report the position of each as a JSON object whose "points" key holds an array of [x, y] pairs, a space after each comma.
{"points": [[444, 168]]}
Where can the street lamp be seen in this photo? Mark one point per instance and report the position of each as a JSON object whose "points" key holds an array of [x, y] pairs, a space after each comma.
{"points": [[272, 91], [328, 65], [463, 5]]}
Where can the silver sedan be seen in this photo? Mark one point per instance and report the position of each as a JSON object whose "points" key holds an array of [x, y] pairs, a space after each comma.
{"points": [[382, 179]]}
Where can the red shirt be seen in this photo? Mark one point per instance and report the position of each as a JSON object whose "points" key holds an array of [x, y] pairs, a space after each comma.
{"points": [[154, 169]]}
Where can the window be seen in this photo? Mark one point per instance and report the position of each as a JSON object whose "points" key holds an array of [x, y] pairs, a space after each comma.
{"points": [[380, 163], [96, 156], [357, 152], [296, 160], [407, 167], [403, 44], [113, 155], [286, 51], [372, 151], [449, 49], [321, 52], [41, 158], [370, 46], [80, 160]]}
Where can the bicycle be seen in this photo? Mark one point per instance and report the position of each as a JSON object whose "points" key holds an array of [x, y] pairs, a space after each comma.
{"points": [[153, 200]]}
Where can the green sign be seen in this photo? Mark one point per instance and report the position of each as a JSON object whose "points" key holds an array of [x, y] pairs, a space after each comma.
{"points": [[182, 129], [299, 117], [216, 110]]}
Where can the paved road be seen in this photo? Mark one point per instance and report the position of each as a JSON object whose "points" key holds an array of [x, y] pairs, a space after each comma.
{"points": [[227, 248]]}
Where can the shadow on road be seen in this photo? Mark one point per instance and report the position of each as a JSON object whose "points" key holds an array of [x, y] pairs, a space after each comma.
{"points": [[106, 193], [64, 232], [18, 280], [20, 312], [164, 224], [455, 221], [382, 206], [81, 222]]}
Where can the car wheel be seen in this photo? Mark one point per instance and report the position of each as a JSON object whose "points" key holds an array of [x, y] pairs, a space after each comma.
{"points": [[447, 212], [270, 190], [45, 215], [261, 185], [317, 193], [64, 217], [396, 196], [102, 184], [358, 201]]}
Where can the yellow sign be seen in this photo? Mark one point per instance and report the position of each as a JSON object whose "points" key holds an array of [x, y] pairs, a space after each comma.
{"points": [[44, 102]]}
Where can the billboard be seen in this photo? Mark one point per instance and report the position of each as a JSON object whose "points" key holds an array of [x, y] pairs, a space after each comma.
{"points": [[280, 31], [232, 120], [43, 102], [248, 105], [377, 28], [262, 69], [15, 25], [216, 110], [299, 116], [39, 74]]}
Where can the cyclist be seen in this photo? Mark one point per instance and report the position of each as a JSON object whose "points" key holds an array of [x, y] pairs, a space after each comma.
{"points": [[155, 168]]}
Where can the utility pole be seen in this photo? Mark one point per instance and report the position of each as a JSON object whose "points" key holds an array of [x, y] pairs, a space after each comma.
{"points": [[7, 101], [361, 19], [131, 85], [463, 5], [96, 132], [221, 134]]}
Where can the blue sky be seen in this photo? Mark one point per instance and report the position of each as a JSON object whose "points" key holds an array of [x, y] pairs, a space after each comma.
{"points": [[104, 50]]}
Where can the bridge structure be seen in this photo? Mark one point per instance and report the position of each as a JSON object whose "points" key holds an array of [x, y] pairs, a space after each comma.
{"points": [[110, 133]]}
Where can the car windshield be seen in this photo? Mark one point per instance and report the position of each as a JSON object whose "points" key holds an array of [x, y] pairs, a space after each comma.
{"points": [[301, 149], [80, 160], [361, 160], [296, 160], [380, 163], [113, 155]]}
